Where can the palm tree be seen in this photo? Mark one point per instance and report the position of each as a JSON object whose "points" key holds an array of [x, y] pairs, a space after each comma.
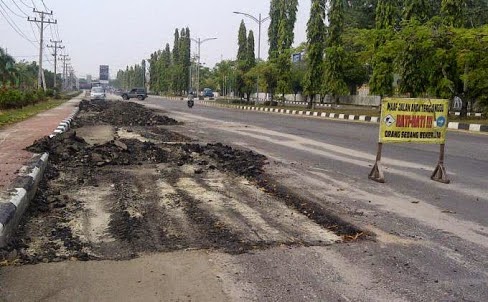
{"points": [[7, 68]]}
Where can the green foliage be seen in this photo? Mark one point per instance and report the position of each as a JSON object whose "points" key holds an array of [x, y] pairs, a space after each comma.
{"points": [[360, 14], [334, 83], [336, 23], [13, 98], [168, 70], [16, 115], [315, 52], [452, 12], [386, 14], [242, 44], [335, 55], [281, 35], [418, 9], [283, 67], [415, 58], [268, 76]]}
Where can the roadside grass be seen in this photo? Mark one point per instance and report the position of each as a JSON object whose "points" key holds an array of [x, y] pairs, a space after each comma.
{"points": [[353, 111], [8, 117]]}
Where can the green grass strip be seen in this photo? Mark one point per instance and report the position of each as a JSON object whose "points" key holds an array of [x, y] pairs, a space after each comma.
{"points": [[12, 116]]}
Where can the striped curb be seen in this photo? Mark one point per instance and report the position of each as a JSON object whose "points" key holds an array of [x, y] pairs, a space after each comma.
{"points": [[457, 113], [18, 197], [23, 189], [362, 118], [65, 124]]}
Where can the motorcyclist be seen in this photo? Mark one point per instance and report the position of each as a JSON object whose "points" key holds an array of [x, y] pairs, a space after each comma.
{"points": [[190, 102]]}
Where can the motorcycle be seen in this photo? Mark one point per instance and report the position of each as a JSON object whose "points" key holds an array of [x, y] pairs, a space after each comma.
{"points": [[190, 102]]}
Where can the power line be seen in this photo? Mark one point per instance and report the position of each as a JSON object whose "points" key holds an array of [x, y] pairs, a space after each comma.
{"points": [[11, 10], [33, 31], [25, 15], [45, 5], [21, 1], [12, 24]]}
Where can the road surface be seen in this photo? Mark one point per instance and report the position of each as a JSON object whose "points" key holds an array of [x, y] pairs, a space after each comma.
{"points": [[429, 241]]}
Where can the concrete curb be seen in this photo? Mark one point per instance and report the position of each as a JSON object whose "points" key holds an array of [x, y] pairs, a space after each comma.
{"points": [[23, 189], [362, 118], [18, 197]]}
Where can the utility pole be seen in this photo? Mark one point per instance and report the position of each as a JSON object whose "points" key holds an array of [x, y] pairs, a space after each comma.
{"points": [[199, 43], [42, 21], [65, 59], [56, 47]]}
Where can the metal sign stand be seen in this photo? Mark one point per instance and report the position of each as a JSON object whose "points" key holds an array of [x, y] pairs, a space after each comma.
{"points": [[376, 173], [440, 173]]}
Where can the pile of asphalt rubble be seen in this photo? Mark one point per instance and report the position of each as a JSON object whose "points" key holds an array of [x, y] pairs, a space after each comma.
{"points": [[142, 154], [71, 154]]}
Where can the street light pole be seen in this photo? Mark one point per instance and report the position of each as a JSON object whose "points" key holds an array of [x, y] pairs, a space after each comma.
{"points": [[199, 43], [259, 21]]}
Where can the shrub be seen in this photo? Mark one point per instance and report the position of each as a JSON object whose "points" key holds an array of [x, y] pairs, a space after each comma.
{"points": [[10, 99]]}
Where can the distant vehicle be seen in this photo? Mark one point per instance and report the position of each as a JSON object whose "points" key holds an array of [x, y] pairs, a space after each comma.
{"points": [[207, 93], [190, 102], [139, 93], [97, 93]]}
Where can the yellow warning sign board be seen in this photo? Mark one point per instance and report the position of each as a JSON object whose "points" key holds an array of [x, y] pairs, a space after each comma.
{"points": [[414, 121]]}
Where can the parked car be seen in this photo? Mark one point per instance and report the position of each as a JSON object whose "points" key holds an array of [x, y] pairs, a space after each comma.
{"points": [[97, 93], [139, 93], [207, 93]]}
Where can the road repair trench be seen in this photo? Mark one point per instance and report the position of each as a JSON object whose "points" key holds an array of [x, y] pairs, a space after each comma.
{"points": [[120, 184]]}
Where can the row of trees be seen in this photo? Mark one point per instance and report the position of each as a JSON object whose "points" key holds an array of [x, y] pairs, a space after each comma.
{"points": [[426, 48], [412, 48], [21, 75], [169, 70], [132, 76]]}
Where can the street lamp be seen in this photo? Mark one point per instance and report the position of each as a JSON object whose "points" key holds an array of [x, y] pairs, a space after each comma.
{"points": [[259, 21], [199, 43]]}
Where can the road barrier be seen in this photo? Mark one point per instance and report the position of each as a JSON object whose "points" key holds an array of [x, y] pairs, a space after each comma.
{"points": [[413, 121]]}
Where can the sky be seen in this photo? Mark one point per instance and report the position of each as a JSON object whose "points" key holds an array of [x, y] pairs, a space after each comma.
{"points": [[121, 32]]}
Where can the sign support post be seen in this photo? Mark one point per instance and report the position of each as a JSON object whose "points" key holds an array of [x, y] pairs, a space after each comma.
{"points": [[376, 173], [440, 173]]}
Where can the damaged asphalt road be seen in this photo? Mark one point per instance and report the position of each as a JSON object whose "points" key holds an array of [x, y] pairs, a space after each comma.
{"points": [[120, 183], [143, 207]]}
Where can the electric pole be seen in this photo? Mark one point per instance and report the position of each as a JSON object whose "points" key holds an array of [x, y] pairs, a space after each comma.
{"points": [[65, 59], [42, 21], [56, 47], [199, 43]]}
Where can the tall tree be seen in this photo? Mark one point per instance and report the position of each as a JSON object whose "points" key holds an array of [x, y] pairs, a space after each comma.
{"points": [[386, 12], [281, 35], [452, 12], [251, 55], [315, 52], [7, 67], [242, 43], [335, 56], [242, 59], [360, 13], [381, 82], [274, 14], [249, 79], [418, 9]]}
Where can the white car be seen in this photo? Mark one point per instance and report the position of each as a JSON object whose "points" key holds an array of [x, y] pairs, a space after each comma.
{"points": [[97, 93]]}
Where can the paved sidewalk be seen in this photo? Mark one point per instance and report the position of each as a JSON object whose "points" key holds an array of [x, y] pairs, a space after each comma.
{"points": [[15, 138]]}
